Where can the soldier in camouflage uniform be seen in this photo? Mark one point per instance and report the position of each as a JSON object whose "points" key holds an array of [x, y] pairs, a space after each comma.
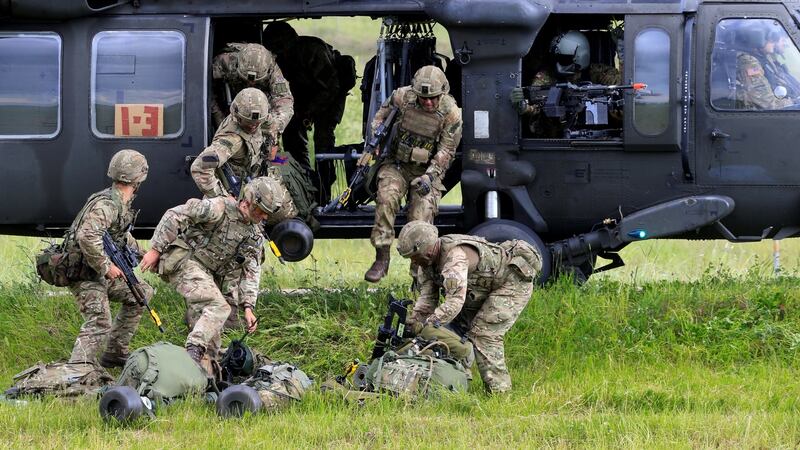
{"points": [[202, 246], [251, 65], [426, 132], [309, 64], [571, 53], [237, 143], [756, 75], [107, 211], [485, 286]]}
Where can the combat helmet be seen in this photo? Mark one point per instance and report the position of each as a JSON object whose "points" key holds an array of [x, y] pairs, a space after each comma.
{"points": [[263, 192], [253, 62], [416, 238], [571, 50], [250, 107], [128, 166], [430, 81]]}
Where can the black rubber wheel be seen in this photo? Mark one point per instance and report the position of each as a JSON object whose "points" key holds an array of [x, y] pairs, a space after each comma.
{"points": [[499, 230], [294, 239], [122, 403], [236, 400]]}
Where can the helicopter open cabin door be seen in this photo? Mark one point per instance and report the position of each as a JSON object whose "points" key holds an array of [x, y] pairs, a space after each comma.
{"points": [[748, 96]]}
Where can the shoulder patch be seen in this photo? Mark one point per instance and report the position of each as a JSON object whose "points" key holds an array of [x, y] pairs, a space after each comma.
{"points": [[451, 285], [227, 142]]}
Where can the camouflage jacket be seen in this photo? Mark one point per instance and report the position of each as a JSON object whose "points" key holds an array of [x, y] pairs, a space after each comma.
{"points": [[214, 233], [274, 85], [756, 90], [309, 65], [231, 144], [103, 211], [466, 271], [438, 132]]}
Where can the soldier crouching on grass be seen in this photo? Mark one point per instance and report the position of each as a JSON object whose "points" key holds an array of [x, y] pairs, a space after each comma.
{"points": [[106, 211], [486, 287], [201, 246]]}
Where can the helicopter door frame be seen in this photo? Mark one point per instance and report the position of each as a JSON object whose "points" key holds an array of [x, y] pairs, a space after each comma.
{"points": [[737, 146]]}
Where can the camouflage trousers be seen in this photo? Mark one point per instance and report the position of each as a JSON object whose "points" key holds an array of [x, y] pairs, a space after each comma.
{"points": [[206, 307], [490, 325], [93, 299], [393, 186]]}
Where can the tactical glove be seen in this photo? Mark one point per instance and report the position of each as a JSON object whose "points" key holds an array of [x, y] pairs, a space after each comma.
{"points": [[517, 98], [422, 184]]}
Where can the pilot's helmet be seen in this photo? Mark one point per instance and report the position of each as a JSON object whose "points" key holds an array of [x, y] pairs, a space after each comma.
{"points": [[752, 36], [250, 107], [430, 81], [416, 238], [276, 36], [254, 62], [128, 166], [263, 192], [571, 51]]}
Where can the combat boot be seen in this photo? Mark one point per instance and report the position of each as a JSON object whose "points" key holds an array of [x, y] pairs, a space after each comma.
{"points": [[379, 267], [109, 359], [196, 353]]}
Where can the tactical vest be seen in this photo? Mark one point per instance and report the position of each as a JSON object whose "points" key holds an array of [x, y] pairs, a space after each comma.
{"points": [[490, 272], [249, 164], [119, 227], [416, 131], [224, 249]]}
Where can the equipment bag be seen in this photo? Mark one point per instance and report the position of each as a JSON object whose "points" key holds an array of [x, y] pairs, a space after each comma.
{"points": [[57, 267], [345, 71], [163, 372], [63, 379], [415, 376], [278, 384]]}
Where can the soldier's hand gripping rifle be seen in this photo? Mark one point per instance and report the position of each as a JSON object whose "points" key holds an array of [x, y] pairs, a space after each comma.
{"points": [[125, 259], [234, 185], [389, 334], [362, 167]]}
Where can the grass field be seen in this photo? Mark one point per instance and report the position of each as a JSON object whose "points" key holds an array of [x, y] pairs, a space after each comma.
{"points": [[692, 345]]}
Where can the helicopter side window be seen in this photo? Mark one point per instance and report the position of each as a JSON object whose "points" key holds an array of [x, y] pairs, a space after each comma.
{"points": [[30, 87], [651, 66], [138, 84], [754, 66]]}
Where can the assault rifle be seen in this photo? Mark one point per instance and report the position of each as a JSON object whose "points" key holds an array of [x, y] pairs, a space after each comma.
{"points": [[125, 259], [234, 186], [564, 101], [362, 167], [391, 334]]}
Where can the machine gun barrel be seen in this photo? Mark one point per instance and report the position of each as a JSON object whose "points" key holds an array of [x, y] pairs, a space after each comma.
{"points": [[125, 259]]}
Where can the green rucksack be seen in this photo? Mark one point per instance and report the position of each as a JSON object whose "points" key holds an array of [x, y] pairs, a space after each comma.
{"points": [[163, 372]]}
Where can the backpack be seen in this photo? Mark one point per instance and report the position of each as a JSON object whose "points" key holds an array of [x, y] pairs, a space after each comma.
{"points": [[415, 375], [63, 379], [345, 71], [163, 372], [278, 384]]}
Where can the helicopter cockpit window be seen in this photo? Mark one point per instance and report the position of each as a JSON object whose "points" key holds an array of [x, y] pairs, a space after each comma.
{"points": [[754, 66], [651, 66], [30, 75], [138, 84]]}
